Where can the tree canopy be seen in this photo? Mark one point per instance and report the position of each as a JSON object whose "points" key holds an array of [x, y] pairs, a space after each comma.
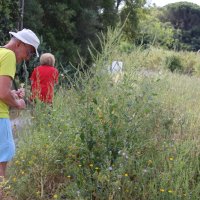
{"points": [[68, 27], [185, 17], [9, 15]]}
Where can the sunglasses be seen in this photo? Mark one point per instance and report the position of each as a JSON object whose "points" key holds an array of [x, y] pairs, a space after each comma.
{"points": [[29, 52]]}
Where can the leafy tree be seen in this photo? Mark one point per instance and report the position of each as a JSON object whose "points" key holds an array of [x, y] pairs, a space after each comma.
{"points": [[69, 26], [131, 13], [34, 9], [153, 32], [184, 17], [109, 14], [9, 15], [52, 20]]}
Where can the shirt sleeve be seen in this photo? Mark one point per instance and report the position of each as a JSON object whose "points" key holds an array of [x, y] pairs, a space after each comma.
{"points": [[8, 65]]}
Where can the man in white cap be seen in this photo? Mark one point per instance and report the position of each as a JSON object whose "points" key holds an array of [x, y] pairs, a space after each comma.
{"points": [[21, 46]]}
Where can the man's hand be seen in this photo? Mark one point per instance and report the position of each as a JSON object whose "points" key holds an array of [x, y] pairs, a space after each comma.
{"points": [[21, 104], [20, 93], [10, 97]]}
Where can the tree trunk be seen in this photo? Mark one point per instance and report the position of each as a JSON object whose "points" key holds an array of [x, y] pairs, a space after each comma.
{"points": [[21, 7]]}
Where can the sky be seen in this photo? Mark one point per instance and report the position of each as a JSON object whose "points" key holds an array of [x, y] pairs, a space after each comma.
{"points": [[161, 3]]}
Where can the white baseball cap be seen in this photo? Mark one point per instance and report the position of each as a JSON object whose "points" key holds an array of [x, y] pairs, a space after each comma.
{"points": [[28, 37]]}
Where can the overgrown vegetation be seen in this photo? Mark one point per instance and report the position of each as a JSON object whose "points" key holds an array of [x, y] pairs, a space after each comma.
{"points": [[128, 135], [132, 138]]}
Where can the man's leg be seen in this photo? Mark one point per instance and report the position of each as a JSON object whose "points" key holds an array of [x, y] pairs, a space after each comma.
{"points": [[7, 149], [2, 177], [3, 169]]}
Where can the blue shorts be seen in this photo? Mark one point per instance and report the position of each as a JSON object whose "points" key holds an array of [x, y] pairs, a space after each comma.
{"points": [[7, 145]]}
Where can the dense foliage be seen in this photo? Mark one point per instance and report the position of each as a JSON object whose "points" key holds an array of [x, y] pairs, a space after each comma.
{"points": [[154, 32], [9, 16], [185, 17], [67, 28]]}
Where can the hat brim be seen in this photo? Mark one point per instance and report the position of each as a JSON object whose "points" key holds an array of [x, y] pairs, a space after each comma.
{"points": [[23, 40]]}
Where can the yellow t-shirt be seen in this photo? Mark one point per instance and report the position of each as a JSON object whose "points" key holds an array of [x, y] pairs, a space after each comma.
{"points": [[7, 68]]}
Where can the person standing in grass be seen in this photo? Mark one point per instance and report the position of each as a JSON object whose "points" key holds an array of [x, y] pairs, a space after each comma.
{"points": [[22, 45], [44, 78]]}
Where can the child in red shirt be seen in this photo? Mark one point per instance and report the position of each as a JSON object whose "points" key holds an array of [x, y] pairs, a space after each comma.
{"points": [[44, 78]]}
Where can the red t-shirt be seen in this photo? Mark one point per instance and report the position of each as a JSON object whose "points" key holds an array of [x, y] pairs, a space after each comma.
{"points": [[43, 80]]}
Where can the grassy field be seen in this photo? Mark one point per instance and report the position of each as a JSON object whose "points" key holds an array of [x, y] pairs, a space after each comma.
{"points": [[135, 136]]}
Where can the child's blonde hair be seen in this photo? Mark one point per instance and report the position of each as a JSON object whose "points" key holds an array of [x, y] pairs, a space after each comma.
{"points": [[47, 59]]}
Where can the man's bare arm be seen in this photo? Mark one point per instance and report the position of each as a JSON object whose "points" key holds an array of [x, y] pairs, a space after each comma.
{"points": [[6, 94]]}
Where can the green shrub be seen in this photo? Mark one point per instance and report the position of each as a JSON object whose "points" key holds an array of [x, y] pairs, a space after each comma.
{"points": [[173, 63]]}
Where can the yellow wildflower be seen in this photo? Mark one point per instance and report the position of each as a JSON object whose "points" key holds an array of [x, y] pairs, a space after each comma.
{"points": [[30, 162], [149, 162], [17, 162], [126, 174]]}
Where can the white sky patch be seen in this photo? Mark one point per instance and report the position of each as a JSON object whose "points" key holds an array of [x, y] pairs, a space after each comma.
{"points": [[161, 3]]}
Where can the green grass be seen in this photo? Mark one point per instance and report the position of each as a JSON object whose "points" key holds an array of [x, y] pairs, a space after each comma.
{"points": [[136, 138]]}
